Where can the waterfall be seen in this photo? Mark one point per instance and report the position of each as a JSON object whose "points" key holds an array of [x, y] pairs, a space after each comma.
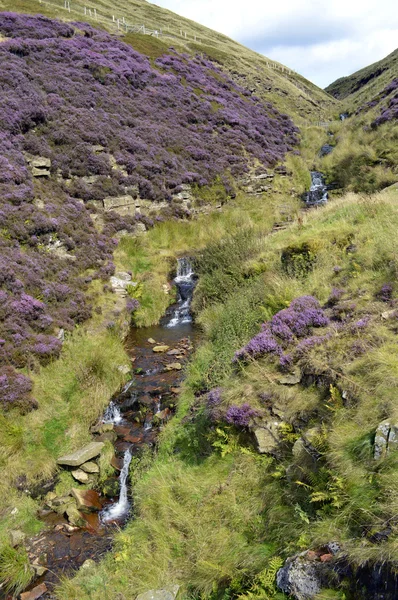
{"points": [[185, 283], [121, 507], [112, 414], [318, 193]]}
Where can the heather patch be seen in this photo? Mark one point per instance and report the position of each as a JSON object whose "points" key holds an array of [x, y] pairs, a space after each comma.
{"points": [[109, 122], [388, 112], [285, 329]]}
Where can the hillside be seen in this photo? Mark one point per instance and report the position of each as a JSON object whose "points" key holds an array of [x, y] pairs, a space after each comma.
{"points": [[365, 84], [187, 346], [287, 90]]}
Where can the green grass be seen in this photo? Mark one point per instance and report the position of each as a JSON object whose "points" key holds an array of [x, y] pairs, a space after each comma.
{"points": [[207, 491], [72, 392]]}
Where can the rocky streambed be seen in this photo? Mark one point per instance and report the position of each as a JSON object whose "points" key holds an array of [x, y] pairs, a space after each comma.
{"points": [[81, 523]]}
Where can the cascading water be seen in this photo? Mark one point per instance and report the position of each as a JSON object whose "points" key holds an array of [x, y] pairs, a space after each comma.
{"points": [[112, 414], [121, 508], [318, 193], [185, 283]]}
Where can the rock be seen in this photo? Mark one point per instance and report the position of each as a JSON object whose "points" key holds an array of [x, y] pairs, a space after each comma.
{"points": [[291, 378], [168, 593], [87, 500], [388, 314], [39, 570], [81, 456], [381, 440], [160, 348], [90, 467], [74, 516], [80, 476], [139, 229], [300, 577], [88, 564], [39, 165], [173, 352], [268, 437], [17, 537], [386, 439], [151, 341], [123, 205], [174, 366], [120, 281], [35, 593], [124, 369], [163, 414], [108, 436], [326, 558], [40, 162], [101, 428]]}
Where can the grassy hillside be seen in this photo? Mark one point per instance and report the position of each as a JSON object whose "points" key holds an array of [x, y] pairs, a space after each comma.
{"points": [[365, 84], [211, 514], [288, 91]]}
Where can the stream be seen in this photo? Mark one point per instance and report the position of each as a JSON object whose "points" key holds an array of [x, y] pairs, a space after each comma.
{"points": [[318, 193], [132, 421]]}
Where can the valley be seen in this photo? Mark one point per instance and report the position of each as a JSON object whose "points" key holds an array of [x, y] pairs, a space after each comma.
{"points": [[199, 278]]}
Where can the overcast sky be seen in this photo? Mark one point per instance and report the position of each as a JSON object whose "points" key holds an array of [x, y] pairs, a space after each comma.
{"points": [[319, 39]]}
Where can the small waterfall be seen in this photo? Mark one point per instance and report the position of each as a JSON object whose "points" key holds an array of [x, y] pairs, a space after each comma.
{"points": [[318, 193], [121, 507], [185, 283], [112, 414]]}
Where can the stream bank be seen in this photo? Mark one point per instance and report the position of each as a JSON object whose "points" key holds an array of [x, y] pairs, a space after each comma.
{"points": [[132, 422]]}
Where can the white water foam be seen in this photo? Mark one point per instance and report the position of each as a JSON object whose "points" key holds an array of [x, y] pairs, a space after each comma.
{"points": [[112, 414], [122, 506], [185, 283]]}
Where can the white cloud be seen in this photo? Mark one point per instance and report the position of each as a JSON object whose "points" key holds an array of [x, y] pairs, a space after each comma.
{"points": [[321, 39]]}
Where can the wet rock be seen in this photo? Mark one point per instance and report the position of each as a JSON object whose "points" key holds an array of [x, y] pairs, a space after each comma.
{"points": [[168, 593], [325, 150], [90, 467], [151, 341], [87, 500], [162, 415], [80, 476], [74, 516], [160, 349], [35, 593], [17, 537], [268, 437], [81, 456], [116, 463], [173, 352], [300, 577]]}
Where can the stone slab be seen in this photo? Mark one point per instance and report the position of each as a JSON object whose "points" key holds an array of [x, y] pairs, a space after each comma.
{"points": [[81, 456]]}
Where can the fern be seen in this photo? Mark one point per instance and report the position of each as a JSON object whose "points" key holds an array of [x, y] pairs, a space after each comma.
{"points": [[264, 587]]}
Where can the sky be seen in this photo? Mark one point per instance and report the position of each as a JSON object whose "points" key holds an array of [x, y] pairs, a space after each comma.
{"points": [[320, 40]]}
